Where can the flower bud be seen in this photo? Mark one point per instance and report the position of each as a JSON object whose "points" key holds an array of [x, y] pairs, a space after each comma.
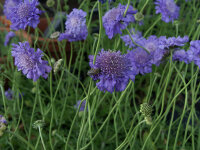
{"points": [[50, 3], [139, 16]]}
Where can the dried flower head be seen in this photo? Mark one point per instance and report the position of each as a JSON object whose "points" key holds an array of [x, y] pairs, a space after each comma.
{"points": [[146, 111], [55, 35], [29, 61], [114, 70], [25, 14], [38, 124], [75, 26], [57, 65]]}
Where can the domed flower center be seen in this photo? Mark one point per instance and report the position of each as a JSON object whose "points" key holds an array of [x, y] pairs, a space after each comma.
{"points": [[74, 21], [140, 56], [112, 16], [171, 6], [150, 46], [26, 62], [113, 63], [23, 10]]}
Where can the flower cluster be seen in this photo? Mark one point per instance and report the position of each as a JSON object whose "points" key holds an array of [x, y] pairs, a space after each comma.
{"points": [[24, 14], [29, 61], [114, 20], [75, 26]]}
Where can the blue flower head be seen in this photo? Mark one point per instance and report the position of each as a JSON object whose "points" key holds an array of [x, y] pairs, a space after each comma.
{"points": [[114, 20], [75, 26], [180, 55], [25, 14], [9, 94], [30, 61], [9, 5], [8, 37], [140, 60], [114, 70], [82, 107], [168, 9]]}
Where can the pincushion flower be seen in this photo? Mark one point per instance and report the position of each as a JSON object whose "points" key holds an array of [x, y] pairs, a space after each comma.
{"points": [[136, 36], [115, 70], [166, 43], [9, 94], [8, 37], [25, 14], [82, 107], [152, 45], [193, 54], [114, 20], [75, 26], [30, 61], [180, 55], [140, 60], [168, 9], [9, 5]]}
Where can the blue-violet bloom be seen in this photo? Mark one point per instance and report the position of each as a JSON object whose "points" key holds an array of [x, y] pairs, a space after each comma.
{"points": [[114, 20], [75, 26], [180, 55], [9, 94], [115, 70], [30, 61], [168, 9], [25, 14], [8, 37], [82, 107]]}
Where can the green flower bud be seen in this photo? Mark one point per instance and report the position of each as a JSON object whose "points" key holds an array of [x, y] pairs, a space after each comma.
{"points": [[139, 16], [50, 3]]}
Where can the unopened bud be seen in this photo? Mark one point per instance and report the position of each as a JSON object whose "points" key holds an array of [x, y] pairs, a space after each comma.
{"points": [[139, 16], [50, 3]]}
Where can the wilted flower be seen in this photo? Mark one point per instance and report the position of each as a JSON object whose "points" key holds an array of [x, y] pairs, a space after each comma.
{"points": [[3, 123], [25, 14], [75, 26], [8, 37], [114, 70], [57, 65], [168, 9], [9, 5], [82, 107], [114, 20], [29, 61], [140, 60]]}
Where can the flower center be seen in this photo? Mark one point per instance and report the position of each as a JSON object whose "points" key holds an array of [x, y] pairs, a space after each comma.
{"points": [[74, 21], [26, 62], [112, 63], [171, 6], [23, 10]]}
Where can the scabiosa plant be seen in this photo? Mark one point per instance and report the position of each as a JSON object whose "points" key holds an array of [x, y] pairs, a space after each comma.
{"points": [[140, 60], [25, 14], [9, 5], [114, 20], [136, 36], [8, 37], [193, 54], [168, 9], [114, 70], [180, 55], [30, 61], [76, 28]]}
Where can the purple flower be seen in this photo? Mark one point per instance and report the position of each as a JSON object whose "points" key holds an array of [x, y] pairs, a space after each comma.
{"points": [[25, 14], [8, 37], [114, 70], [152, 45], [172, 41], [9, 94], [180, 55], [136, 36], [140, 60], [9, 5], [76, 28], [114, 20], [29, 61], [103, 1], [2, 120], [82, 107], [168, 9], [193, 54]]}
